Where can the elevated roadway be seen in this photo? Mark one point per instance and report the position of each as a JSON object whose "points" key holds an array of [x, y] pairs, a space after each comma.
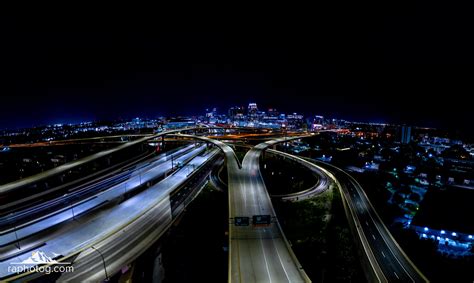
{"points": [[321, 185], [258, 253], [386, 259], [90, 202], [112, 236]]}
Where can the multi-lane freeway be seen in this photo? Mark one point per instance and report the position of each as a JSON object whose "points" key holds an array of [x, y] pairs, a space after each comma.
{"points": [[389, 262], [321, 185], [93, 228], [387, 259], [147, 216], [258, 253], [92, 198], [19, 214], [394, 264], [258, 249]]}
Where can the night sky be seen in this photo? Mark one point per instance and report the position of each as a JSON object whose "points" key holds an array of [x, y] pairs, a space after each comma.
{"points": [[410, 66]]}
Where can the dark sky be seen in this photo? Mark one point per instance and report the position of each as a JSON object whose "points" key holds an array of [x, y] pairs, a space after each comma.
{"points": [[413, 65]]}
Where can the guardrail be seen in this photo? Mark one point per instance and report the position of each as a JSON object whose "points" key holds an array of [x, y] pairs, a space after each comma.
{"points": [[89, 246], [303, 162], [219, 144], [376, 271], [285, 240], [81, 207], [379, 220], [350, 213]]}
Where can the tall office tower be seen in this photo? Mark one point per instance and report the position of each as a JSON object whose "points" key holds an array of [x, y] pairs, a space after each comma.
{"points": [[272, 112], [236, 113], [252, 110], [406, 134], [318, 119]]}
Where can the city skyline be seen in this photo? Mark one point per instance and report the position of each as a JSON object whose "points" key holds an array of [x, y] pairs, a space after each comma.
{"points": [[256, 146], [63, 115], [82, 70]]}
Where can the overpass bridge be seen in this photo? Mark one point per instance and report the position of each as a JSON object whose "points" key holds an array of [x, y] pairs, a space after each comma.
{"points": [[259, 251], [383, 260], [35, 234], [107, 238]]}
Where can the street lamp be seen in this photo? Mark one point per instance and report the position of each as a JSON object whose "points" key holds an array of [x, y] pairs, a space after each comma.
{"points": [[103, 261]]}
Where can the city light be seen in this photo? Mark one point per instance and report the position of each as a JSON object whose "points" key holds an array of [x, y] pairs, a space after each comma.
{"points": [[166, 162]]}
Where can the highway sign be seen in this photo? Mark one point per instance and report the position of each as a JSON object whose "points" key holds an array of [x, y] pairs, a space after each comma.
{"points": [[241, 221], [261, 219]]}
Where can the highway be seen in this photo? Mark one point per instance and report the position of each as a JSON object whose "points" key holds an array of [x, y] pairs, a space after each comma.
{"points": [[68, 166], [321, 185], [133, 239], [42, 178], [120, 231], [394, 263], [19, 215], [133, 181], [105, 213], [257, 253], [388, 260], [63, 169]]}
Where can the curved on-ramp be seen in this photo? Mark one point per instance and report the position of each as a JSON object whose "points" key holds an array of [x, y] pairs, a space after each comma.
{"points": [[257, 253], [388, 261], [321, 185]]}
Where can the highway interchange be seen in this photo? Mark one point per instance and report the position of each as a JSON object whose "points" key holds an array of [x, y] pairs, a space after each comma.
{"points": [[258, 252], [388, 260], [98, 226], [394, 264]]}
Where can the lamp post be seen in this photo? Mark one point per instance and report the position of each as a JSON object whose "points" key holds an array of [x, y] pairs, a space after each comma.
{"points": [[17, 240], [103, 261]]}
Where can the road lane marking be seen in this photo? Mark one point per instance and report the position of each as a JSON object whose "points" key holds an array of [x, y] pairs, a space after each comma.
{"points": [[396, 275], [366, 223], [281, 262], [383, 254], [266, 263], [238, 262], [378, 229], [373, 236]]}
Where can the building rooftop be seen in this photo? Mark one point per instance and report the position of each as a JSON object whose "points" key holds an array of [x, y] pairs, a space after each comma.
{"points": [[450, 209]]}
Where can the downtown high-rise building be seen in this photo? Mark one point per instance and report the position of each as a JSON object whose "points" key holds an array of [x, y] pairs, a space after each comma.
{"points": [[406, 135], [252, 110]]}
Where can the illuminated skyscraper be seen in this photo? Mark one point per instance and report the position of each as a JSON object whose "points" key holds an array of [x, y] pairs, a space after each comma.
{"points": [[252, 110], [236, 113], [406, 134]]}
